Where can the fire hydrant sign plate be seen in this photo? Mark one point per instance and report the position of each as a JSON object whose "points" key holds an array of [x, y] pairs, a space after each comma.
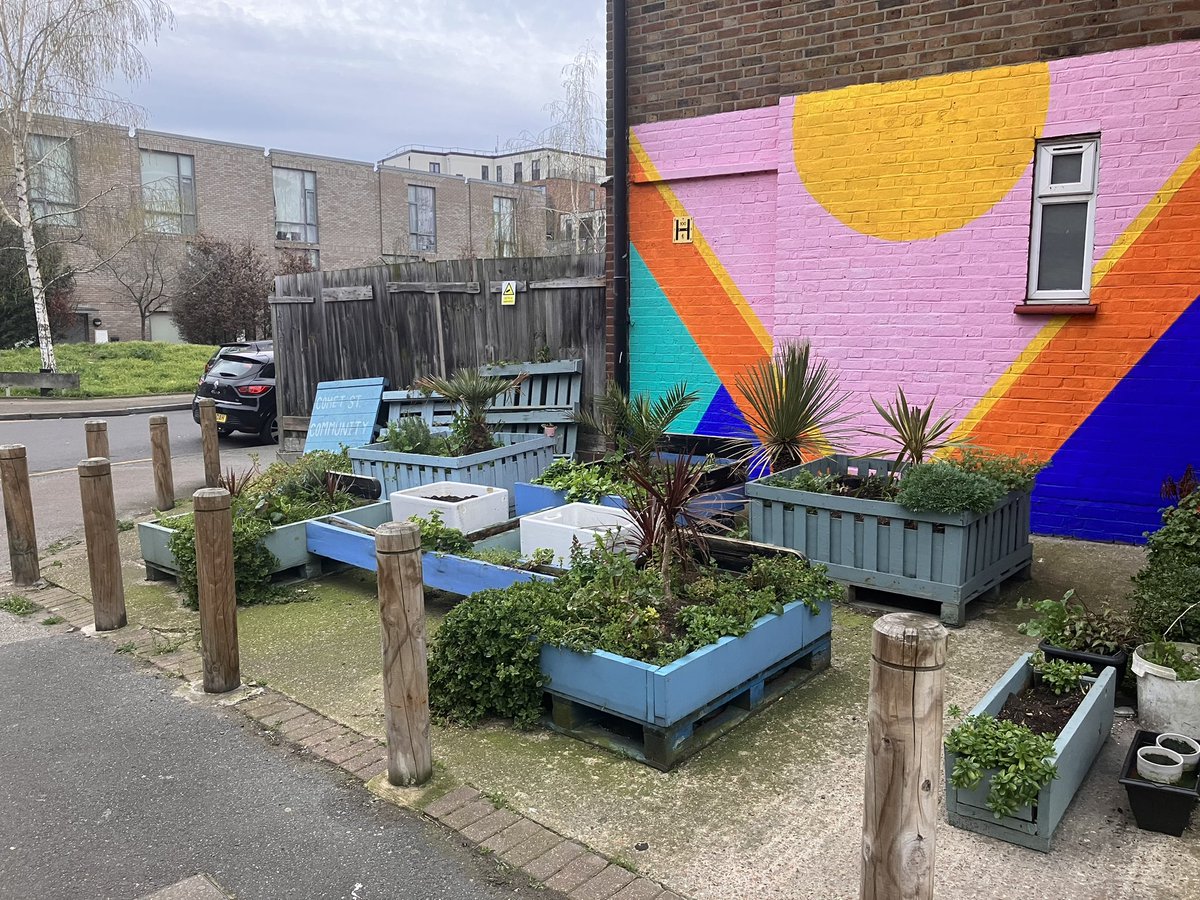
{"points": [[508, 293]]}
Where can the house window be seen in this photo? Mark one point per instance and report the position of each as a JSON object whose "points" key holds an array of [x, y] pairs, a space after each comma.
{"points": [[435, 168], [295, 205], [51, 167], [535, 170], [1064, 218], [591, 173], [499, 172], [591, 198], [504, 225], [518, 176], [422, 219], [484, 172], [168, 192]]}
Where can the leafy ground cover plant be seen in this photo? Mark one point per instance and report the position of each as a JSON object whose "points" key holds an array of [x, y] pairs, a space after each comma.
{"points": [[1167, 653], [1014, 473], [1017, 758], [1061, 676], [942, 488], [437, 537], [587, 482], [411, 434], [1067, 623]]}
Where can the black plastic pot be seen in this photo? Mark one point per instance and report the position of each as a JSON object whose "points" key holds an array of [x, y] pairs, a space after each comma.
{"points": [[1165, 808], [1118, 660]]}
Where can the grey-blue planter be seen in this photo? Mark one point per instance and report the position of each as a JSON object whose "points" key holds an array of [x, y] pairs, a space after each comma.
{"points": [[951, 559], [1075, 749]]}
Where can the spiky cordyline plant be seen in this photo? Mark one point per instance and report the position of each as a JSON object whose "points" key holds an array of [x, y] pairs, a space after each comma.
{"points": [[663, 524], [636, 425], [914, 435], [793, 416], [474, 393]]}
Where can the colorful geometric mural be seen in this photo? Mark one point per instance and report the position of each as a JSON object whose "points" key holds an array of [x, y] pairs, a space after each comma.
{"points": [[889, 225]]}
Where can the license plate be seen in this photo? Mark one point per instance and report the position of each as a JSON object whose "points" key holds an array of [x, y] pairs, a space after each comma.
{"points": [[221, 417]]}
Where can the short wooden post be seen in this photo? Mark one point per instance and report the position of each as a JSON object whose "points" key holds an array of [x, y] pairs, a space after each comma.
{"points": [[904, 756], [209, 443], [218, 598], [103, 552], [405, 677], [160, 455], [95, 433], [18, 514]]}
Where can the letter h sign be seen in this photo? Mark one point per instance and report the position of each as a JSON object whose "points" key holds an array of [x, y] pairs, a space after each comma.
{"points": [[683, 230]]}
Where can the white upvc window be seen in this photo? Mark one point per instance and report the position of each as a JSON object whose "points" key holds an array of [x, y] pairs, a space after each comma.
{"points": [[1064, 220]]}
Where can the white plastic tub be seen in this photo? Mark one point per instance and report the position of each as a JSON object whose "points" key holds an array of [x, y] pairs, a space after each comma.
{"points": [[555, 529], [480, 506], [1165, 704]]}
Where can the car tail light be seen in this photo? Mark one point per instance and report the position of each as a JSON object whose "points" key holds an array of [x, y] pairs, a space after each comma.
{"points": [[253, 390]]}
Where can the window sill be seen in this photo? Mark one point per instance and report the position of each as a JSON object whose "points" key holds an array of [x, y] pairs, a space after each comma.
{"points": [[1055, 309]]}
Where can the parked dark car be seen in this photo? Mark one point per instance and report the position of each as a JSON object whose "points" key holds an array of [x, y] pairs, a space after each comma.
{"points": [[243, 386], [235, 347]]}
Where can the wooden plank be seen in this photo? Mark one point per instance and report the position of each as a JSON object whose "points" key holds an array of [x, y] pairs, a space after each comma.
{"points": [[497, 287], [433, 287], [557, 284], [343, 294], [275, 300]]}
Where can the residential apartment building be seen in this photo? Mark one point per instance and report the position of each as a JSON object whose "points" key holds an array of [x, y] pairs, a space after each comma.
{"points": [[139, 196], [574, 185], [992, 205]]}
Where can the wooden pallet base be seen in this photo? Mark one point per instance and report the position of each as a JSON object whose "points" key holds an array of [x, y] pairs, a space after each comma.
{"points": [[303, 572], [664, 747], [952, 614]]}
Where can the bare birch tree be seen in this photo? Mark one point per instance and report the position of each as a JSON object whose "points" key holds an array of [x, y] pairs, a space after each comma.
{"points": [[145, 272], [58, 58]]}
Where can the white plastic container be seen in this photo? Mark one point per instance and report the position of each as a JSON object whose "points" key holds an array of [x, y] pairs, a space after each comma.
{"points": [[1191, 757], [478, 506], [1164, 703], [1151, 768], [555, 529]]}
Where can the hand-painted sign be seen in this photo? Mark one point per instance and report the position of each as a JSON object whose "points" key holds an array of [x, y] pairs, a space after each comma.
{"points": [[508, 294], [344, 412]]}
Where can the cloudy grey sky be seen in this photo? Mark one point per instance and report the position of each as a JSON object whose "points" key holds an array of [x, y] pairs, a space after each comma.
{"points": [[356, 78]]}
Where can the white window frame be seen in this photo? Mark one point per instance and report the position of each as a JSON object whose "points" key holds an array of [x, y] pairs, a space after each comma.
{"points": [[179, 218], [420, 241], [1047, 194], [307, 231], [49, 208]]}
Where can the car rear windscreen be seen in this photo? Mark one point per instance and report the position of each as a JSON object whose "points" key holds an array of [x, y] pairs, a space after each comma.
{"points": [[233, 367]]}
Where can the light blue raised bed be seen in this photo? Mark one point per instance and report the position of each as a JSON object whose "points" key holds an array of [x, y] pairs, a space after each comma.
{"points": [[522, 458], [684, 705], [1075, 749], [288, 543]]}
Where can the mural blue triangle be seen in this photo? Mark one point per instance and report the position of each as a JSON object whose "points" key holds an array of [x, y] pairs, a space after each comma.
{"points": [[1098, 485], [723, 418]]}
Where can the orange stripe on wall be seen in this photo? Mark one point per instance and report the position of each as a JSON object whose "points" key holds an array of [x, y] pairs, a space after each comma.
{"points": [[693, 289], [1138, 299]]}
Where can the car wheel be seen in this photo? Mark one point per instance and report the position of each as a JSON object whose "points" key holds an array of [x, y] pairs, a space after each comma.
{"points": [[269, 433]]}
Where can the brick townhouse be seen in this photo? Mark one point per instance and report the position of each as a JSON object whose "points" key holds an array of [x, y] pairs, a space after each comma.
{"points": [[338, 213], [995, 205]]}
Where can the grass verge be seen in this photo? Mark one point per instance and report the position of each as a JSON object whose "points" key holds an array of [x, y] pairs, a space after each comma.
{"points": [[124, 369]]}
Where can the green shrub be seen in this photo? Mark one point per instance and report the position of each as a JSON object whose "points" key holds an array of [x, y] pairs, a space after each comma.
{"points": [[1169, 654], [1060, 675], [1019, 756], [252, 562], [1072, 626], [943, 488], [437, 537], [411, 434], [587, 482], [1170, 581], [1015, 473]]}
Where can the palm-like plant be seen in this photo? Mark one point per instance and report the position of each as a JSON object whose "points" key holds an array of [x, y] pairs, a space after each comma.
{"points": [[474, 393], [636, 424], [794, 409], [914, 435]]}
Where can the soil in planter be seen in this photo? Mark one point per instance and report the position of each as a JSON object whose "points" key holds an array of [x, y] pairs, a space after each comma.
{"points": [[1178, 746], [450, 498], [1040, 709]]}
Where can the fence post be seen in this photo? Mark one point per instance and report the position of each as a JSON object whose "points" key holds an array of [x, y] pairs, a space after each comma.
{"points": [[215, 583], [103, 552], [95, 433], [160, 454], [18, 514], [904, 756], [405, 677], [209, 443]]}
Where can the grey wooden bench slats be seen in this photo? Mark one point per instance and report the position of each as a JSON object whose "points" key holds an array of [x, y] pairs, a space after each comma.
{"points": [[549, 396]]}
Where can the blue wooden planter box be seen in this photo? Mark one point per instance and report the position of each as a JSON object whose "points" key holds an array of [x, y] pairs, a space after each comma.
{"points": [[1075, 749], [951, 559], [523, 458], [288, 543]]}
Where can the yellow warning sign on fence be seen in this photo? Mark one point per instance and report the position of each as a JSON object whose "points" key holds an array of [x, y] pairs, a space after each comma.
{"points": [[508, 294]]}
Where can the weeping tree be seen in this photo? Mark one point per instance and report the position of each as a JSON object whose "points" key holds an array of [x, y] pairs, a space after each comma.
{"points": [[58, 58]]}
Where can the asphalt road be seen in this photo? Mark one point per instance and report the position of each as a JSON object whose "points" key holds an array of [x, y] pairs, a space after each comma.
{"points": [[55, 446], [113, 785]]}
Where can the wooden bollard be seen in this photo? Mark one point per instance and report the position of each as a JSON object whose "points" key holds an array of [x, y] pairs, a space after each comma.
{"points": [[103, 552], [95, 433], [215, 582], [18, 514], [904, 757], [160, 455], [209, 442], [405, 676]]}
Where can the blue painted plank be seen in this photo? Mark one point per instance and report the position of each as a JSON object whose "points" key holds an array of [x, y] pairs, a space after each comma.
{"points": [[344, 412]]}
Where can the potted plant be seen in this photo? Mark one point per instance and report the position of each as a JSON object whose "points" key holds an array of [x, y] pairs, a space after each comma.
{"points": [[1164, 808], [654, 654], [1070, 631], [945, 530], [1014, 764], [412, 454], [1168, 686]]}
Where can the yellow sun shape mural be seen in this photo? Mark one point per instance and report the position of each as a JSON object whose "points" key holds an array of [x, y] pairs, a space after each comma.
{"points": [[914, 159]]}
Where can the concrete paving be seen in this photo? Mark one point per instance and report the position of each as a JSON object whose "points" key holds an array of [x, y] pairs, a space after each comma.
{"points": [[118, 784]]}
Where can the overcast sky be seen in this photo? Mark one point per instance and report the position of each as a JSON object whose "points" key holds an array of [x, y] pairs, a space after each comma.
{"points": [[357, 78]]}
